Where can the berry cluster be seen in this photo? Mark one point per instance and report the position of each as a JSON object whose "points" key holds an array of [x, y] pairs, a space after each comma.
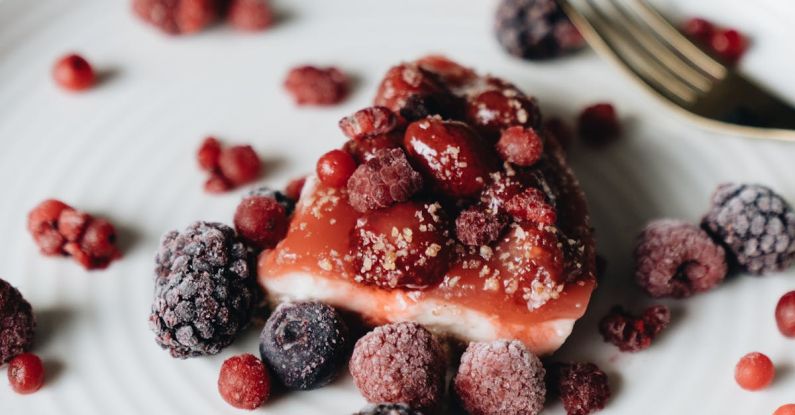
{"points": [[177, 17], [312, 85], [228, 167], [726, 43]]}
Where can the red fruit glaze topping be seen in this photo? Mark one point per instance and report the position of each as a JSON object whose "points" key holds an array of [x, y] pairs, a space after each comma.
{"points": [[25, 373], [531, 205], [209, 153], [335, 168], [785, 314], [294, 188], [450, 72], [520, 145], [477, 225], [239, 164], [250, 15], [413, 92], [500, 105], [73, 73], [382, 181], [177, 16], [311, 85], [261, 221], [699, 29], [403, 246], [368, 122], [728, 44], [244, 382], [754, 371], [633, 334], [451, 156], [788, 409], [598, 124]]}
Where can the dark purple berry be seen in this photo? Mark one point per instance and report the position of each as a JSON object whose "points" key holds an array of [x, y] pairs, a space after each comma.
{"points": [[265, 191], [630, 333], [389, 409], [582, 387], [304, 344], [204, 290], [755, 224], [535, 29], [677, 259], [385, 179], [17, 323]]}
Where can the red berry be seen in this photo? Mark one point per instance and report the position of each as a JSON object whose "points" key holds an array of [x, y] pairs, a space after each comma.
{"points": [[364, 149], [788, 409], [239, 164], [335, 167], [368, 122], [403, 246], [598, 124], [261, 221], [217, 183], [729, 44], [452, 73], [97, 248], [413, 92], [310, 85], [72, 224], [43, 226], [244, 382], [250, 15], [630, 333], [520, 145], [26, 373], [532, 205], [451, 155], [74, 73], [209, 154], [177, 16], [785, 314], [500, 190], [754, 371], [699, 29], [501, 105], [294, 188], [382, 181], [477, 226]]}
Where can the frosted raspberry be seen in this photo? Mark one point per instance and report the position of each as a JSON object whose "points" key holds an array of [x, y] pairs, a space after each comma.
{"points": [[478, 226], [399, 363], [368, 122], [239, 164], [43, 226], [677, 259], [311, 85], [177, 16], [382, 181], [208, 154], [500, 378], [521, 146], [532, 205], [250, 15], [582, 387], [633, 334]]}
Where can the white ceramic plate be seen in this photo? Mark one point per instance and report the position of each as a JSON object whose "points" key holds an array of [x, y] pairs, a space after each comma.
{"points": [[125, 150]]}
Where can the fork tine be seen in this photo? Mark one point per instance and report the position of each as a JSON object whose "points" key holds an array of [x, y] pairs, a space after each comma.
{"points": [[637, 33], [666, 31]]}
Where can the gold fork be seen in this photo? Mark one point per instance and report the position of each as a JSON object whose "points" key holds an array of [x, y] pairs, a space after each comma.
{"points": [[646, 45]]}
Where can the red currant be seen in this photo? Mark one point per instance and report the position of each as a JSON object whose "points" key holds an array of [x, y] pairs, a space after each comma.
{"points": [[244, 382], [754, 371], [729, 44], [26, 373], [785, 314], [788, 409], [74, 73], [335, 167], [699, 29], [209, 154]]}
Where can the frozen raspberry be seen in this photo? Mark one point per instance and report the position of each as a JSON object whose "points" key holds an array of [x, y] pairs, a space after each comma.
{"points": [[217, 183], [72, 224], [287, 202], [261, 221], [244, 382], [368, 122], [500, 378], [250, 15], [699, 29], [335, 168], [209, 154], [414, 92], [532, 205], [389, 409], [633, 334], [400, 363], [294, 188], [382, 181], [785, 314], [478, 226], [754, 372], [728, 44], [521, 146], [677, 259], [451, 156], [204, 290], [598, 124], [582, 387], [364, 149], [177, 16], [536, 29], [305, 344], [97, 246], [43, 226], [403, 246], [17, 323], [311, 85], [450, 72], [239, 164], [74, 73], [788, 409], [755, 224], [500, 105], [558, 130], [25, 373]]}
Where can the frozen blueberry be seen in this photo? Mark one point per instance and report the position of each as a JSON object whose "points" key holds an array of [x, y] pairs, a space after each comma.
{"points": [[304, 343], [536, 29]]}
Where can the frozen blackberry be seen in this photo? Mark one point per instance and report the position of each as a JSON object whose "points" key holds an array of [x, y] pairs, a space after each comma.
{"points": [[633, 334], [582, 387], [304, 344], [677, 259], [204, 290], [755, 224], [385, 179], [389, 409], [287, 203], [535, 29], [17, 323]]}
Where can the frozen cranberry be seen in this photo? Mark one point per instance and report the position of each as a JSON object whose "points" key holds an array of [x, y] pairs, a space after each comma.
{"points": [[177, 16], [728, 44], [521, 146], [217, 183], [598, 124], [499, 106], [239, 164], [785, 314], [754, 371], [335, 167], [250, 15], [364, 149], [532, 205], [261, 221], [244, 382], [209, 154], [26, 373], [451, 155], [368, 122], [788, 409], [74, 73], [406, 245], [311, 85], [699, 29], [294, 188], [414, 92], [452, 73]]}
